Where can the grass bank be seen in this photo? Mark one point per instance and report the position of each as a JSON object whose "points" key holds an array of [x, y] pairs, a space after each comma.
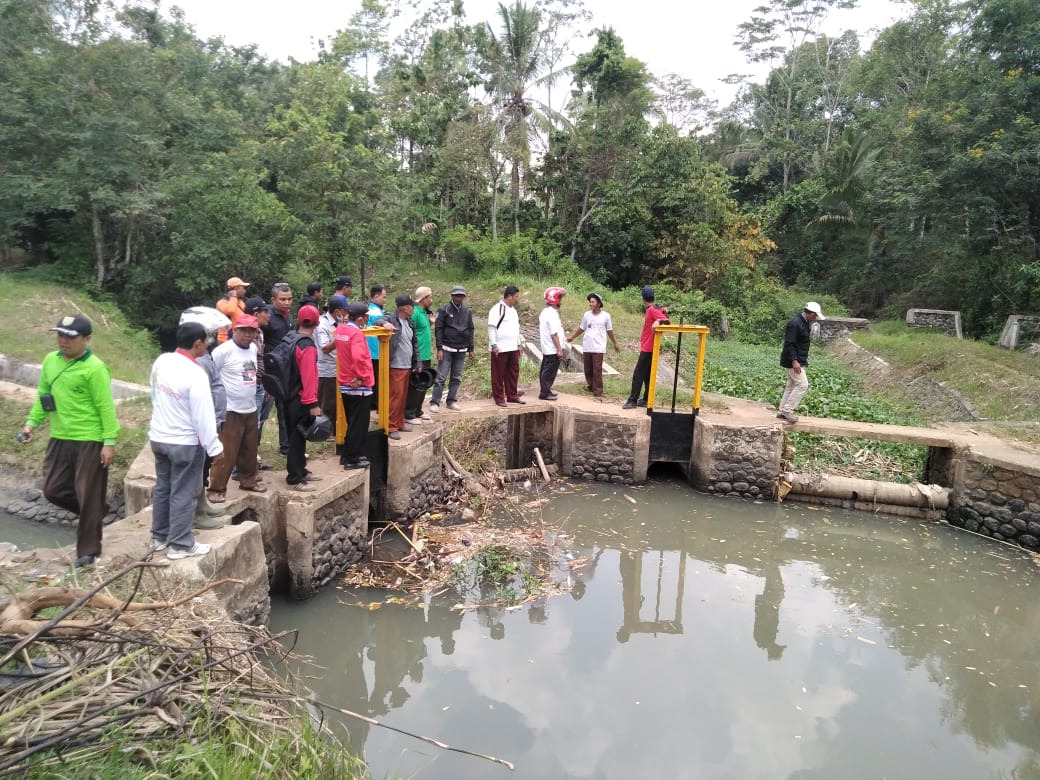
{"points": [[1002, 385]]}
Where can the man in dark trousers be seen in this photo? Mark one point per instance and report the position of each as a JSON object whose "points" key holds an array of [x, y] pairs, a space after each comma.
{"points": [[75, 394], [279, 323], [302, 405], [795, 358], [641, 373], [354, 365], [453, 337]]}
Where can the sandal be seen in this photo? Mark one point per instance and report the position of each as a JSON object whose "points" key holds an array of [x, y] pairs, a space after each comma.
{"points": [[216, 497], [259, 487]]}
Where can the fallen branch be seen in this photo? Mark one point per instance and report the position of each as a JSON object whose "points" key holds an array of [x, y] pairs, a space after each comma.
{"points": [[427, 740]]}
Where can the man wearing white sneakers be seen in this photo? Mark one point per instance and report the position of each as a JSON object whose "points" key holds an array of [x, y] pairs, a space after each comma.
{"points": [[183, 430]]}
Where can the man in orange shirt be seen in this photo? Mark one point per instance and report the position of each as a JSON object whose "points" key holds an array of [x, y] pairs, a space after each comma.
{"points": [[232, 305]]}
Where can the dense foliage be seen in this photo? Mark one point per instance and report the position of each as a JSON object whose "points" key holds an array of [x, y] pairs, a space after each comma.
{"points": [[150, 164]]}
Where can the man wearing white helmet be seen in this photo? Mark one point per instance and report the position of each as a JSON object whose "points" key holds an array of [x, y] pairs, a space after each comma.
{"points": [[553, 342], [795, 358]]}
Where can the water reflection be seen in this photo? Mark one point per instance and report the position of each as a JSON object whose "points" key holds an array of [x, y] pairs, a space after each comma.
{"points": [[708, 638]]}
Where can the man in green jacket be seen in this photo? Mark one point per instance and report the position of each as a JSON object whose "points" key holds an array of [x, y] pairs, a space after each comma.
{"points": [[422, 319], [75, 394]]}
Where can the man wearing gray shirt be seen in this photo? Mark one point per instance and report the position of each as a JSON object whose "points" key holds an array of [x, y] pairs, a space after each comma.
{"points": [[404, 359]]}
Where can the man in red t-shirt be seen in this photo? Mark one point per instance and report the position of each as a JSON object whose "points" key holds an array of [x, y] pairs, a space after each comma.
{"points": [[641, 373]]}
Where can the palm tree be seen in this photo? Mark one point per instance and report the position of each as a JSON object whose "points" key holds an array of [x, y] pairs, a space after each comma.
{"points": [[518, 60]]}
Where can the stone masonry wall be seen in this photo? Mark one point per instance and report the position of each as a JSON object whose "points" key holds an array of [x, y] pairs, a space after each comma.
{"points": [[834, 328], [603, 452], [997, 502], [739, 462], [949, 322], [340, 531]]}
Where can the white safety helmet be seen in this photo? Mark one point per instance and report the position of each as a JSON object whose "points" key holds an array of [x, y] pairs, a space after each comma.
{"points": [[209, 318]]}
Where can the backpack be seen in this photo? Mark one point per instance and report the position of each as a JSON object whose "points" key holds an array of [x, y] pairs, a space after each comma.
{"points": [[281, 376]]}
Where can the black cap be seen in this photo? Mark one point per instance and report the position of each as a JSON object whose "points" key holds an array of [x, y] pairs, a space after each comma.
{"points": [[255, 304], [356, 309], [74, 325], [648, 293], [343, 281], [404, 299]]}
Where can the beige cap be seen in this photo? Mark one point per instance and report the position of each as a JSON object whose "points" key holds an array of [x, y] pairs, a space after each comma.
{"points": [[421, 292]]}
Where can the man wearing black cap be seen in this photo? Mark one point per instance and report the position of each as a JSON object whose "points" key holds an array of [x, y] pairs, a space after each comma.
{"points": [[344, 287], [453, 337], [75, 394], [641, 373], [404, 359]]}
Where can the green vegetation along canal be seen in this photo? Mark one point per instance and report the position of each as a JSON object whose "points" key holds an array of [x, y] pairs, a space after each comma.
{"points": [[706, 638]]}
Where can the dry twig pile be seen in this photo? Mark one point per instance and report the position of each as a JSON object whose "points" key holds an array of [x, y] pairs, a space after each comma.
{"points": [[141, 670]]}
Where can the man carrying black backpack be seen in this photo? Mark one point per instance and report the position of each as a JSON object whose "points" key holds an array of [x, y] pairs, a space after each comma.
{"points": [[291, 374]]}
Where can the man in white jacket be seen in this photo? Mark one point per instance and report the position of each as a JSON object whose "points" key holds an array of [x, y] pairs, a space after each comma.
{"points": [[183, 430], [504, 343]]}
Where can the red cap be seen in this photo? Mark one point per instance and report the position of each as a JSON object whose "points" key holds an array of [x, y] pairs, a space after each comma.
{"points": [[247, 321], [308, 315]]}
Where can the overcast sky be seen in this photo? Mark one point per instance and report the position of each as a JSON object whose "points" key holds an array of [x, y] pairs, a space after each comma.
{"points": [[693, 39]]}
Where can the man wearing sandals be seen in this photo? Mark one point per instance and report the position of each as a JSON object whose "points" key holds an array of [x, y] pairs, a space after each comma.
{"points": [[183, 431], [236, 362]]}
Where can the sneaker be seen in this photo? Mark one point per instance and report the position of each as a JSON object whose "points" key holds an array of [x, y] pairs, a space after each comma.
{"points": [[516, 400], [85, 560], [157, 544], [501, 403], [454, 406], [787, 417], [406, 428], [426, 417], [435, 408], [629, 405], [779, 415], [641, 402], [414, 420], [205, 523], [550, 397], [393, 435], [360, 463], [176, 553]]}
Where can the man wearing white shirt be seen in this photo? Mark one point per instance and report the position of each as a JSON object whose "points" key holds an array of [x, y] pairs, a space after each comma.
{"points": [[235, 360], [552, 342], [183, 430], [504, 343]]}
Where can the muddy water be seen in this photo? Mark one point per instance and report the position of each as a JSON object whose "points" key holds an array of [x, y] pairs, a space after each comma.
{"points": [[28, 535], [707, 638]]}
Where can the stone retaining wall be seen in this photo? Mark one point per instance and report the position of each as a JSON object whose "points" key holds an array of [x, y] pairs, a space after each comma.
{"points": [[998, 502], [834, 328], [322, 542], [31, 505], [949, 322], [605, 448], [742, 462]]}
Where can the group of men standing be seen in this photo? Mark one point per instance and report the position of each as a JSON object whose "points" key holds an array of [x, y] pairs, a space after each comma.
{"points": [[209, 403]]}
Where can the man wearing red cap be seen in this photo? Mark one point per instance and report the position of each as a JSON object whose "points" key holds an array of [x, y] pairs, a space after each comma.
{"points": [[303, 403], [236, 363], [232, 304]]}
